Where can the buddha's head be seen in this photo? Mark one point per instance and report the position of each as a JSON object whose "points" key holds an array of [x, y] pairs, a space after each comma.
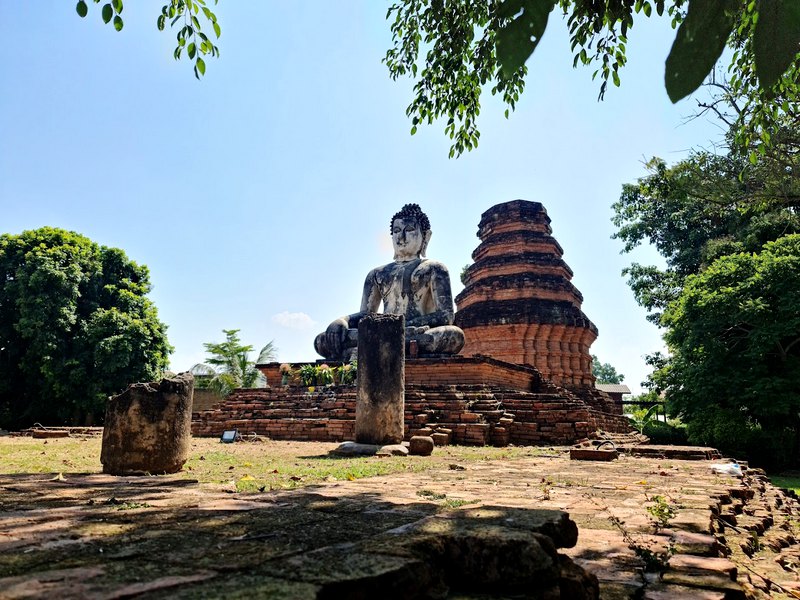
{"points": [[411, 232]]}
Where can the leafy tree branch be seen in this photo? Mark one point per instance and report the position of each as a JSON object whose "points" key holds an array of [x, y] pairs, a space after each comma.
{"points": [[184, 13]]}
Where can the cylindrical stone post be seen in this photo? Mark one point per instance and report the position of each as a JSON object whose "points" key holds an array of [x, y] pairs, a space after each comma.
{"points": [[381, 379], [148, 427]]}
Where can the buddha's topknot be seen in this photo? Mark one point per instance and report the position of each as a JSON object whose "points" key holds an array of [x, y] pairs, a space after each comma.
{"points": [[412, 211]]}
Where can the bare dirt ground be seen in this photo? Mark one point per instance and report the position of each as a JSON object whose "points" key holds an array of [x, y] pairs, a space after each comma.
{"points": [[647, 528]]}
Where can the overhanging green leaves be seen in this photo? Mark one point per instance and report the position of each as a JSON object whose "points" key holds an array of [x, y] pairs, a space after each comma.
{"points": [[698, 45], [777, 39], [107, 13], [175, 10], [517, 39]]}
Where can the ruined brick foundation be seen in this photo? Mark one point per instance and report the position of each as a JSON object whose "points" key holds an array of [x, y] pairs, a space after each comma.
{"points": [[471, 401]]}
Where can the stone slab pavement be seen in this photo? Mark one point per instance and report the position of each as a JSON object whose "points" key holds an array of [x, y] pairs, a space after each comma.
{"points": [[646, 528]]}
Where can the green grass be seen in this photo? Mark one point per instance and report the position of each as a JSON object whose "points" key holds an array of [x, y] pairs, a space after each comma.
{"points": [[58, 455], [247, 467], [447, 503], [786, 481], [272, 474], [453, 503], [430, 495]]}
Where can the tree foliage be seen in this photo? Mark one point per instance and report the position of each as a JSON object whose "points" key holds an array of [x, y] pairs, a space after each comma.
{"points": [[700, 209], [185, 13], [604, 372], [75, 326], [464, 273], [460, 38], [727, 228], [734, 333], [456, 48], [229, 366]]}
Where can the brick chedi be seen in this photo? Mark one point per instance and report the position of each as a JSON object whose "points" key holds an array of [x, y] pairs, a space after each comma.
{"points": [[519, 304]]}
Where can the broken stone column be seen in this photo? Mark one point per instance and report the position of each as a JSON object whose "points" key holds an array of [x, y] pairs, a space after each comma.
{"points": [[381, 379], [148, 427]]}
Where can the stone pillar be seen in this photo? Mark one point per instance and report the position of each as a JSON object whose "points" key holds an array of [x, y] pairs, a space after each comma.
{"points": [[381, 379], [148, 427]]}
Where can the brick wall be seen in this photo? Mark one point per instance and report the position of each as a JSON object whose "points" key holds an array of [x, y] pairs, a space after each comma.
{"points": [[204, 399], [453, 370], [471, 401], [283, 414]]}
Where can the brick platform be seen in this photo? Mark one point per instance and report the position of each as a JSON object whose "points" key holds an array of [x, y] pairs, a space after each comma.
{"points": [[472, 401]]}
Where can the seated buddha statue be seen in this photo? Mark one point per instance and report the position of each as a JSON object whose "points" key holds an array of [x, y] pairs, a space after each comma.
{"points": [[411, 285]]}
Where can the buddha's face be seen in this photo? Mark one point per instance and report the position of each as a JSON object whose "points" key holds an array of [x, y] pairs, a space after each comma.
{"points": [[407, 238]]}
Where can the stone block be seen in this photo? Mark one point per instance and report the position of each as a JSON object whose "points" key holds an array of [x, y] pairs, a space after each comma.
{"points": [[440, 439], [690, 563], [148, 427], [688, 542], [392, 450], [421, 445]]}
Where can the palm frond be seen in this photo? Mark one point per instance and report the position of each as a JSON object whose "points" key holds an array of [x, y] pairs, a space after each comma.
{"points": [[268, 353]]}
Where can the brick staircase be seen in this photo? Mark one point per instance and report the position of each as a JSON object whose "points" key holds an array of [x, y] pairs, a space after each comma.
{"points": [[758, 524], [461, 414]]}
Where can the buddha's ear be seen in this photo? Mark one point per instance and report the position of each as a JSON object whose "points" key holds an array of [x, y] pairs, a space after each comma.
{"points": [[425, 239]]}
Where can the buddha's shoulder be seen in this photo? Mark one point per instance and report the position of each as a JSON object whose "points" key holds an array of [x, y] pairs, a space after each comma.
{"points": [[382, 273], [394, 269], [431, 265]]}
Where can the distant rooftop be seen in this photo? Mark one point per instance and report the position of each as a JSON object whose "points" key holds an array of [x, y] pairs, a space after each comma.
{"points": [[613, 388]]}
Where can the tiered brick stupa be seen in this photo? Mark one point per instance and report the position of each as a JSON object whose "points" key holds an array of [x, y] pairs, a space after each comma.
{"points": [[519, 304]]}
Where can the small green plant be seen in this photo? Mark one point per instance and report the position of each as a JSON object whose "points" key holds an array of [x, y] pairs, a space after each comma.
{"points": [[324, 375], [661, 512], [546, 487], [347, 373], [430, 495], [286, 373], [642, 419], [314, 375], [452, 503], [308, 375], [752, 545], [655, 561]]}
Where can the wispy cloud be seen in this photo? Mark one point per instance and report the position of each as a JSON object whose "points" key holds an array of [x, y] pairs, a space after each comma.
{"points": [[294, 320]]}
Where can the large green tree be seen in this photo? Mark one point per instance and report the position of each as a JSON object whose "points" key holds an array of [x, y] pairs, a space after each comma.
{"points": [[605, 372], [75, 326], [734, 334], [229, 367], [721, 223], [701, 208]]}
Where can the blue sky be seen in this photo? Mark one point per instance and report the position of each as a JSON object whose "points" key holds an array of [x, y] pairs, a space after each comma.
{"points": [[260, 196]]}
